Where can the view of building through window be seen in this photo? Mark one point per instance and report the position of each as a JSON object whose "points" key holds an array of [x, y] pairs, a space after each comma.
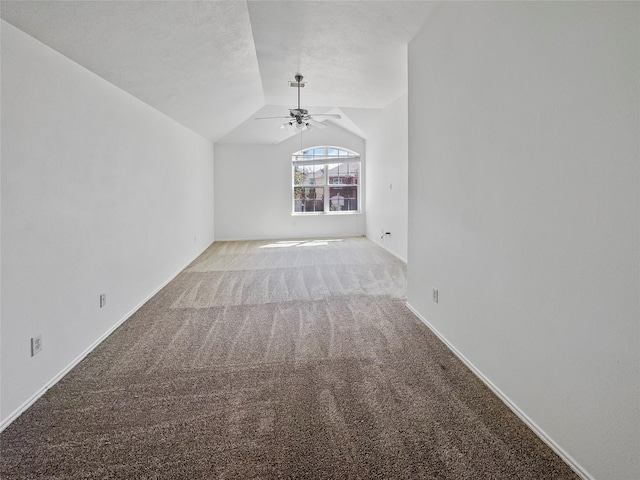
{"points": [[326, 180]]}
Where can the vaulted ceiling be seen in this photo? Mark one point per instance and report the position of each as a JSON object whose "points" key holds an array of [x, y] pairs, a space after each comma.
{"points": [[215, 65]]}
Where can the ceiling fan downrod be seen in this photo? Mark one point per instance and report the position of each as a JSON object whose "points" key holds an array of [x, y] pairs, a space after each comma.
{"points": [[298, 78]]}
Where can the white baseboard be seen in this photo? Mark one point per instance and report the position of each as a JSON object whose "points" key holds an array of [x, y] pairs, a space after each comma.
{"points": [[22, 408], [568, 459], [285, 238], [382, 245]]}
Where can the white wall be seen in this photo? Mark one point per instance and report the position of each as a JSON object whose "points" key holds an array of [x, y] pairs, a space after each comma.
{"points": [[100, 194], [387, 178], [524, 211], [253, 190]]}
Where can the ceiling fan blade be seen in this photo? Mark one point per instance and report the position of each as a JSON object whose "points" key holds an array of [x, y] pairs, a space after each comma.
{"points": [[327, 115], [268, 118], [315, 123]]}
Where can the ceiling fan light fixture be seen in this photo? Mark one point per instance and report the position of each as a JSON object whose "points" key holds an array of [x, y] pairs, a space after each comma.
{"points": [[303, 126]]}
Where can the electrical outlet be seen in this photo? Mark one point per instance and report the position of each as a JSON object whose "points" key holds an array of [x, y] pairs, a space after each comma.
{"points": [[103, 299], [435, 295], [36, 344]]}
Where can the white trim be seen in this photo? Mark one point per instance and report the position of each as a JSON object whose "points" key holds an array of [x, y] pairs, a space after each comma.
{"points": [[326, 160], [335, 212], [278, 239], [568, 459], [22, 408], [374, 240]]}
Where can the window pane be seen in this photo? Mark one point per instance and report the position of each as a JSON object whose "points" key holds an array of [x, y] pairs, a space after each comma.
{"points": [[308, 175], [344, 173], [308, 199], [343, 199], [316, 180]]}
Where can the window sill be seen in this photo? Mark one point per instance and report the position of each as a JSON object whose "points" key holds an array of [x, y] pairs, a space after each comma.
{"points": [[330, 214]]}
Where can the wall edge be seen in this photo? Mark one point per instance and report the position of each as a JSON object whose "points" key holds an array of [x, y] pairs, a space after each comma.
{"points": [[5, 422], [540, 433]]}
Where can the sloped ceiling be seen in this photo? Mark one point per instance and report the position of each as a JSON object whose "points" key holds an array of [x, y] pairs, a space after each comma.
{"points": [[215, 65]]}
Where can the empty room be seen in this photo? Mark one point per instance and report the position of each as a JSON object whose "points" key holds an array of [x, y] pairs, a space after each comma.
{"points": [[303, 239]]}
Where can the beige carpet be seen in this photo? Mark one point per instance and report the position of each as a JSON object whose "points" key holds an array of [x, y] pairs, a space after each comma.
{"points": [[267, 360]]}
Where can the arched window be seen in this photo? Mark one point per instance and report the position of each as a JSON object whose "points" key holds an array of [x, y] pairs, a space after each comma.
{"points": [[326, 180]]}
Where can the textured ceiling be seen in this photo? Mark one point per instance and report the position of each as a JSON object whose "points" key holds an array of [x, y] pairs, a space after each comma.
{"points": [[215, 65]]}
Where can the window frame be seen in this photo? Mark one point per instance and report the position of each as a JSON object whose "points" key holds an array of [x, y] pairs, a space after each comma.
{"points": [[324, 158]]}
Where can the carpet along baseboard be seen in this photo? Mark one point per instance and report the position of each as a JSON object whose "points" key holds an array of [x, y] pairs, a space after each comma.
{"points": [[31, 400], [568, 459], [381, 245]]}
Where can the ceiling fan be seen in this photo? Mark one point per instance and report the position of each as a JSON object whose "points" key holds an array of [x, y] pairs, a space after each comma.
{"points": [[299, 118]]}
